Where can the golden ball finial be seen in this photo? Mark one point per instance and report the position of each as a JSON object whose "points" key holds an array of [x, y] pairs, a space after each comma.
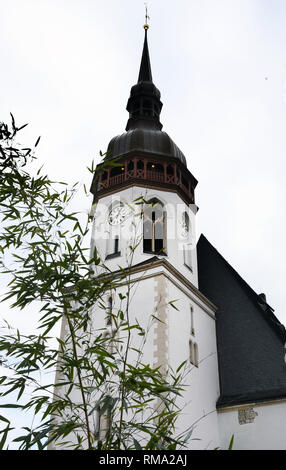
{"points": [[146, 27]]}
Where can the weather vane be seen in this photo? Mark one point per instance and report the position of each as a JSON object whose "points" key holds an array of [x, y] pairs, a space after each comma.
{"points": [[147, 17]]}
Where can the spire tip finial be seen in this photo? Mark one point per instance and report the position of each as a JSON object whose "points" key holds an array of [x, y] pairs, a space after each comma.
{"points": [[147, 17]]}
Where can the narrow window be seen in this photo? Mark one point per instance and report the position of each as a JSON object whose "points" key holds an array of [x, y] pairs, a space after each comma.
{"points": [[193, 347], [116, 245], [109, 312], [192, 322], [113, 247], [191, 352], [154, 228], [196, 355]]}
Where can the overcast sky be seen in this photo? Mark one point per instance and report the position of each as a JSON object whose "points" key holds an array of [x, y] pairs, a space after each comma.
{"points": [[67, 69]]}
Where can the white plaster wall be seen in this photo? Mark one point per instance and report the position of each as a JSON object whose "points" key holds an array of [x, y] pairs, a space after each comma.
{"points": [[131, 229], [202, 390], [141, 309], [267, 432], [202, 383], [202, 386]]}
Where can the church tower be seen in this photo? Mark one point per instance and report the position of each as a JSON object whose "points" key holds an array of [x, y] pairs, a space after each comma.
{"points": [[194, 307], [148, 164], [144, 197]]}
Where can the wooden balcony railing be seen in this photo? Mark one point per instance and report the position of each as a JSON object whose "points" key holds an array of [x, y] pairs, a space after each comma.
{"points": [[182, 179]]}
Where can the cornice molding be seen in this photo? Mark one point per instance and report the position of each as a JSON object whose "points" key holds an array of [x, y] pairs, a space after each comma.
{"points": [[250, 404], [192, 291]]}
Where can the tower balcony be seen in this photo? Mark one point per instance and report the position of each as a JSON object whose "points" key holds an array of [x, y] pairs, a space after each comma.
{"points": [[145, 171]]}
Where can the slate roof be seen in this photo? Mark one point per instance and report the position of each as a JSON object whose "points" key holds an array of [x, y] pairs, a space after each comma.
{"points": [[250, 339], [142, 141]]}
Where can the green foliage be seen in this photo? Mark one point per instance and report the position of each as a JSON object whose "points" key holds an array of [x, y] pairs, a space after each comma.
{"points": [[230, 447], [96, 379]]}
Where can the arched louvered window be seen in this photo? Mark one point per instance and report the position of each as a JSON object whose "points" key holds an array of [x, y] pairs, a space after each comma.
{"points": [[154, 240]]}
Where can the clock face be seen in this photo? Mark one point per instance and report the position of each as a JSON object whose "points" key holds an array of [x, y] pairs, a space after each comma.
{"points": [[117, 215]]}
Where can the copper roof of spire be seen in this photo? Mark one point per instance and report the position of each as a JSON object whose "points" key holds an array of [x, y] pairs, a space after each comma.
{"points": [[145, 74], [144, 130]]}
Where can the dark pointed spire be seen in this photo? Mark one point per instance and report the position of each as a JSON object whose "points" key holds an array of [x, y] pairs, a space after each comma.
{"points": [[145, 74], [144, 103]]}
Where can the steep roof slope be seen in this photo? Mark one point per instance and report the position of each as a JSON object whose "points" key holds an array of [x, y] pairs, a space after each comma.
{"points": [[250, 339]]}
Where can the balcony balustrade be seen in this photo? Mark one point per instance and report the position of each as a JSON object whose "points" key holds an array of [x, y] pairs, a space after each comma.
{"points": [[145, 171]]}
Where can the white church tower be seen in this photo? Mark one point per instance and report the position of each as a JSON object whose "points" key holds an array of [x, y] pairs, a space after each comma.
{"points": [[148, 200], [231, 342]]}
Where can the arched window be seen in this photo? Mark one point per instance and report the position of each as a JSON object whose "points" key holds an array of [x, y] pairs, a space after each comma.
{"points": [[140, 165], [170, 170], [130, 165], [154, 229]]}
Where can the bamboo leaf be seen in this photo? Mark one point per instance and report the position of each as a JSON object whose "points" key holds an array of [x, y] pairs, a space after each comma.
{"points": [[230, 447]]}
